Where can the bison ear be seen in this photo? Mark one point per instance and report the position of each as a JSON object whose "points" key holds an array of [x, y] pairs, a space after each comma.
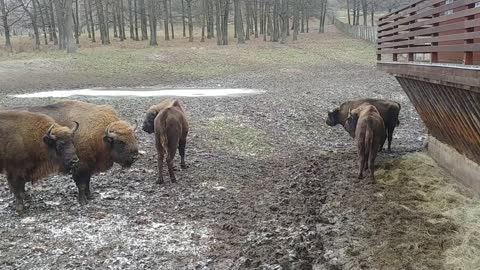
{"points": [[108, 140], [48, 141]]}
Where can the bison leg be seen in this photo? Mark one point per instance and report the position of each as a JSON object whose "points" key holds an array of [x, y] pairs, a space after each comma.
{"points": [[171, 155], [160, 157], [17, 184], [371, 164], [181, 148], [82, 180], [390, 137]]}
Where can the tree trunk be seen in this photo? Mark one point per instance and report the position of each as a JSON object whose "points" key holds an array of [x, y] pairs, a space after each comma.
{"points": [[122, 20], [143, 19], [6, 27], [136, 20], [48, 21], [92, 22], [302, 27], [210, 20], [183, 18], [44, 26], [239, 21], [114, 13], [276, 32], [355, 12], [307, 19], [225, 22], [203, 16], [372, 9], [130, 19], [33, 18], [165, 19], [190, 20], [348, 12], [296, 14], [365, 12], [52, 23], [85, 11], [247, 17], [357, 20], [77, 24], [218, 10], [102, 23], [152, 15], [284, 21], [171, 18], [255, 18], [70, 43]]}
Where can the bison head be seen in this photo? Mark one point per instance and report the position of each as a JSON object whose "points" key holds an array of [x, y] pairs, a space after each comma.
{"points": [[333, 117], [351, 122], [148, 123], [121, 143], [60, 145], [153, 111]]}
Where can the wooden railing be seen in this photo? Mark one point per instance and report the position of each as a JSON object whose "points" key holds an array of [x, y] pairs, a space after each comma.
{"points": [[438, 31], [365, 32]]}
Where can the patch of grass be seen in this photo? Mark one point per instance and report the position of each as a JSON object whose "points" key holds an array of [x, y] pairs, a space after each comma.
{"points": [[232, 135], [434, 192]]}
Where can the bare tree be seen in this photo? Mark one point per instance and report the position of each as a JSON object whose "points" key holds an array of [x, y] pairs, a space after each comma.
{"points": [[6, 26], [190, 20], [153, 22], [238, 21], [165, 19], [44, 26], [33, 18], [92, 22], [143, 19]]}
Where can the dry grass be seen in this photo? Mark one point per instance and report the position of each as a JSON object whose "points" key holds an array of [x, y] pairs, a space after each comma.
{"points": [[446, 206]]}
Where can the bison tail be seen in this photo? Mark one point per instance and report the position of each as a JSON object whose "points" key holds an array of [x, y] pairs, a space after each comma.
{"points": [[163, 131], [369, 138], [398, 123]]}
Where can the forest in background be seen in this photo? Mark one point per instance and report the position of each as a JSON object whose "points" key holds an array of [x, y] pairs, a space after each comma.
{"points": [[64, 24]]}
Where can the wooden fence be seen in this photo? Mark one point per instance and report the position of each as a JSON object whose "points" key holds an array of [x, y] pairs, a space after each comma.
{"points": [[445, 87], [365, 32]]}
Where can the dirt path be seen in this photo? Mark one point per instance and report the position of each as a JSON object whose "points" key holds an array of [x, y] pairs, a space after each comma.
{"points": [[269, 185]]}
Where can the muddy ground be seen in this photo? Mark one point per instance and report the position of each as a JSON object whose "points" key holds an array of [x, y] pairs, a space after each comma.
{"points": [[269, 184]]}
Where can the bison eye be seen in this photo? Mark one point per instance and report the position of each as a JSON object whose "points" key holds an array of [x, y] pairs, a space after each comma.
{"points": [[60, 147]]}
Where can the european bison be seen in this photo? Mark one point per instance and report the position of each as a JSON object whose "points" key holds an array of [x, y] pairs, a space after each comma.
{"points": [[369, 134], [170, 125], [389, 111], [102, 139], [33, 146]]}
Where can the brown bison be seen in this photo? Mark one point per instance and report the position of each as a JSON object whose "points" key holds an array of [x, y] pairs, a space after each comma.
{"points": [[170, 125], [369, 134], [32, 146], [389, 111], [102, 139]]}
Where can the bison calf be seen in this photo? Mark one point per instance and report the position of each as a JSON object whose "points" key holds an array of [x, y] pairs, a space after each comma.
{"points": [[369, 134], [167, 120], [389, 111], [32, 146]]}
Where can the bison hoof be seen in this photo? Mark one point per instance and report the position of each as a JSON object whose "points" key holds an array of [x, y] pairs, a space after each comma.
{"points": [[183, 166], [360, 176], [82, 200], [159, 181], [19, 207], [173, 180]]}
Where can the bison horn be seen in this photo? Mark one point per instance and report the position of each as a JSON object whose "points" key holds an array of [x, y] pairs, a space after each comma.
{"points": [[49, 131], [108, 133], [76, 126], [136, 125]]}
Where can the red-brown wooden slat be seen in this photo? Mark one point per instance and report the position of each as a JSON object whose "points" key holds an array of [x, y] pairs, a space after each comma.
{"points": [[456, 15], [438, 29], [416, 7], [427, 49], [454, 37], [430, 12]]}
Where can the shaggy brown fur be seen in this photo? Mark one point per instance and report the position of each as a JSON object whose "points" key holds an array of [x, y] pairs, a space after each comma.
{"points": [[369, 134], [152, 112], [389, 110], [171, 129], [33, 146], [102, 140]]}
